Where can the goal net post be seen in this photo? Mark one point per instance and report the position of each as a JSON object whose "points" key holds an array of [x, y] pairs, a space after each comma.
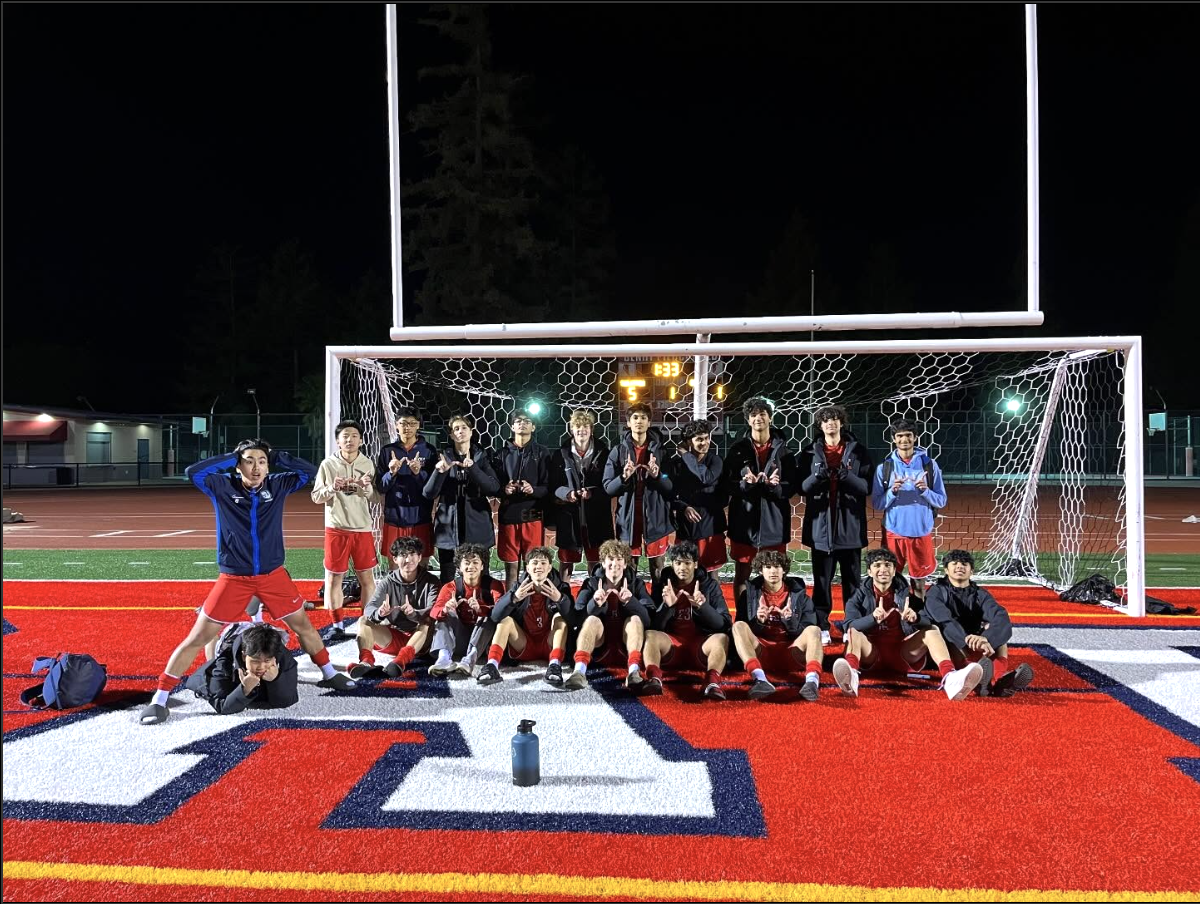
{"points": [[1039, 440]]}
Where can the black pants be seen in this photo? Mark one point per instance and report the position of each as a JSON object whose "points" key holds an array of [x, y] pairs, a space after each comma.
{"points": [[849, 562], [446, 565]]}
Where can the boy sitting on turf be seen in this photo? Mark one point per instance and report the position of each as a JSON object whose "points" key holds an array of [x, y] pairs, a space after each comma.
{"points": [[396, 620], [250, 667], [618, 614], [531, 619], [461, 613], [975, 626], [776, 628], [884, 630], [690, 622]]}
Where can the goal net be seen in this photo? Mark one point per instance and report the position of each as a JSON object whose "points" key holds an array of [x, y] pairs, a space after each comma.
{"points": [[1031, 443]]}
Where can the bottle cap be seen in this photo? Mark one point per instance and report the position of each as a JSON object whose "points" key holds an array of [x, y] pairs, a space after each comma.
{"points": [[526, 726]]}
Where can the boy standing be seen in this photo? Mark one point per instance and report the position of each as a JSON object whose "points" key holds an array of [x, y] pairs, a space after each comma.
{"points": [[634, 473], [402, 470], [345, 485], [521, 468]]}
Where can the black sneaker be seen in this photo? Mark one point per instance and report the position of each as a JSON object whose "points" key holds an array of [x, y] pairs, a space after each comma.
{"points": [[713, 691], [338, 682], [809, 690], [761, 689], [652, 687], [1008, 684], [984, 687], [554, 674], [362, 670], [489, 674]]}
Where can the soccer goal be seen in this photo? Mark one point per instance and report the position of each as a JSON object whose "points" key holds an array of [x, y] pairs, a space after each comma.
{"points": [[1044, 481]]}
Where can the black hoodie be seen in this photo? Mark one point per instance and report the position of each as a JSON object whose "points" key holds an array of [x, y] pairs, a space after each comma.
{"points": [[848, 530], [657, 491]]}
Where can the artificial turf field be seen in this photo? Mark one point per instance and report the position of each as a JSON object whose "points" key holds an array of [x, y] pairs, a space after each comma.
{"points": [[1086, 786]]}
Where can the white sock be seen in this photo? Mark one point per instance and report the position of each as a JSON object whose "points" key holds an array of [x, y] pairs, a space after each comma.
{"points": [[555, 662], [813, 677], [759, 675], [328, 671], [257, 617], [634, 668], [160, 698], [469, 659], [581, 667], [495, 662]]}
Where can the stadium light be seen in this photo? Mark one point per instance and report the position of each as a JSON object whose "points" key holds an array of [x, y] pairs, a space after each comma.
{"points": [[534, 408], [1011, 405]]}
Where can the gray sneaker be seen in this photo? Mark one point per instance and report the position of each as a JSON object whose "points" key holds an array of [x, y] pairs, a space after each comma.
{"points": [[809, 690], [461, 670], [1011, 682], [761, 689], [576, 681], [154, 714]]}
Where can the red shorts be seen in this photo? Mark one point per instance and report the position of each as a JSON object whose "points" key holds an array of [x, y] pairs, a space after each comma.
{"points": [[654, 548], [890, 657], [398, 642], [574, 555], [916, 552], [343, 545], [776, 656], [611, 650], [423, 532], [227, 600], [515, 540], [686, 653], [537, 648], [712, 552], [745, 554]]}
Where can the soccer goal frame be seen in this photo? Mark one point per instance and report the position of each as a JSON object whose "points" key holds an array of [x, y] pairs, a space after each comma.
{"points": [[1130, 521]]}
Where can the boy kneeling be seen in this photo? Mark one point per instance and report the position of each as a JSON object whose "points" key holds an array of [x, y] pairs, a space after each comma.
{"points": [[883, 629], [976, 627], [618, 614], [690, 622], [777, 627], [396, 621], [530, 619]]}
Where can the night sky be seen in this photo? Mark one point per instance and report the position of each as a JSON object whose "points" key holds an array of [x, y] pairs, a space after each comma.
{"points": [[137, 138]]}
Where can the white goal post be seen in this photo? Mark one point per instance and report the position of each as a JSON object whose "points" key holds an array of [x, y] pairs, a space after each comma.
{"points": [[1067, 436]]}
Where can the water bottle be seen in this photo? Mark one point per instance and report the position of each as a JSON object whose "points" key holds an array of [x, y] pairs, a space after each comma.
{"points": [[526, 759]]}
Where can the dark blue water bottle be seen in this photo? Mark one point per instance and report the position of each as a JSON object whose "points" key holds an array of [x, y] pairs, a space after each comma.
{"points": [[527, 759]]}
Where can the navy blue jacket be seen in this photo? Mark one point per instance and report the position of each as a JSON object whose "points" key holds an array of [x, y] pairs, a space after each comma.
{"points": [[803, 612], [595, 512], [404, 502], [530, 463], [959, 611], [860, 609], [656, 491], [698, 483], [760, 514], [249, 522], [710, 618], [849, 529]]}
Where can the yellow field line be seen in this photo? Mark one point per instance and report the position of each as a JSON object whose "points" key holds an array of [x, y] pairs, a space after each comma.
{"points": [[589, 887]]}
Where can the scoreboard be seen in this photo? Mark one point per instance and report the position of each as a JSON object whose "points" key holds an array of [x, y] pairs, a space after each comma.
{"points": [[667, 384]]}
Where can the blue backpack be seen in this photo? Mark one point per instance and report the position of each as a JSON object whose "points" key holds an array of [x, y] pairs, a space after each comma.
{"points": [[73, 679]]}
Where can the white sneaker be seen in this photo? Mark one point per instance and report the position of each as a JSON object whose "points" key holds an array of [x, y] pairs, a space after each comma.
{"points": [[825, 641], [959, 683], [846, 678]]}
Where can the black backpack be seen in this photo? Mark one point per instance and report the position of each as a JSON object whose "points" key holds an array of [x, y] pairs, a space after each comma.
{"points": [[889, 465]]}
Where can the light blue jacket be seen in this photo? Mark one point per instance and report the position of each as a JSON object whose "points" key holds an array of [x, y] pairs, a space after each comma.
{"points": [[909, 513]]}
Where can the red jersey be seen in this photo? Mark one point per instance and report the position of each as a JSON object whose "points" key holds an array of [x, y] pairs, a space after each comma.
{"points": [[466, 614]]}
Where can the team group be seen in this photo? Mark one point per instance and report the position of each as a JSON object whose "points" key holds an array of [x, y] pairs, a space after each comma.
{"points": [[441, 500]]}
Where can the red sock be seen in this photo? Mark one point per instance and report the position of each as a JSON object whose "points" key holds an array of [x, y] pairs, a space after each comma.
{"points": [[405, 656], [583, 657], [337, 616], [167, 682], [999, 666], [654, 671], [813, 667], [945, 667], [714, 677], [635, 658], [495, 652], [853, 660], [557, 653], [751, 665], [366, 656], [320, 658]]}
